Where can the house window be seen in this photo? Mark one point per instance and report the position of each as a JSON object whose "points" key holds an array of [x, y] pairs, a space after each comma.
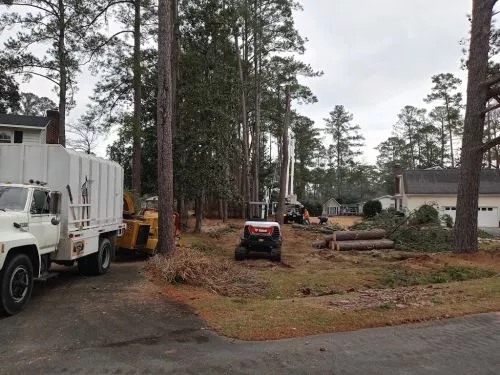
{"points": [[18, 136], [5, 137]]}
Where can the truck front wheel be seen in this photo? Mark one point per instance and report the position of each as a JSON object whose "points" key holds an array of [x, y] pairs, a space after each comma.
{"points": [[16, 284]]}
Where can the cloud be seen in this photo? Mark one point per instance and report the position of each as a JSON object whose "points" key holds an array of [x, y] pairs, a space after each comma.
{"points": [[379, 56]]}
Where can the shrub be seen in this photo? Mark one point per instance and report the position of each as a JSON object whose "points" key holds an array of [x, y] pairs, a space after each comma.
{"points": [[448, 220], [372, 208], [483, 234], [426, 214]]}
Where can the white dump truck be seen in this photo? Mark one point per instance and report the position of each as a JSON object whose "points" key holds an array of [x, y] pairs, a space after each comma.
{"points": [[56, 206]]}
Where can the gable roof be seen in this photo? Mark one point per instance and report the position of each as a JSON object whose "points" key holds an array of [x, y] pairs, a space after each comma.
{"points": [[446, 181], [21, 120], [384, 197], [332, 200]]}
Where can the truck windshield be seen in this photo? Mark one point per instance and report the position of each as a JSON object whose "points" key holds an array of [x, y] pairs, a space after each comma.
{"points": [[13, 198]]}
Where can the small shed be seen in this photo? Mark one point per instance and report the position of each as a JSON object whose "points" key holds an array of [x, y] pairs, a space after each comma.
{"points": [[331, 207]]}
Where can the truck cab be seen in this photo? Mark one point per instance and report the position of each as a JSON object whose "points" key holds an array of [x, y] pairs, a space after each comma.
{"points": [[29, 232]]}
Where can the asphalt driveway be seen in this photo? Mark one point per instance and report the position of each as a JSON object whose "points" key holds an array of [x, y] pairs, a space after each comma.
{"points": [[121, 323]]}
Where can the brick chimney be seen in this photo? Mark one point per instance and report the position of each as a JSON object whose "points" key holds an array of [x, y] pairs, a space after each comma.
{"points": [[397, 178], [397, 170], [52, 135]]}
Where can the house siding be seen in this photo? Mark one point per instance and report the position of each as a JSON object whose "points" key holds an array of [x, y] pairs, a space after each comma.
{"points": [[30, 136], [386, 203]]}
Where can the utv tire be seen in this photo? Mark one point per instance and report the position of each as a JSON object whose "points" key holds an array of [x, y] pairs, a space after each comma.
{"points": [[16, 284], [276, 255], [97, 263], [240, 253]]}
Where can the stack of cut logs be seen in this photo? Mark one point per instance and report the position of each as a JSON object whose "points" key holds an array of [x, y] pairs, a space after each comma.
{"points": [[355, 240]]}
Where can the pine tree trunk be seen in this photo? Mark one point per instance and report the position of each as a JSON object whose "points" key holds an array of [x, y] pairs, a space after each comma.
{"points": [[452, 151], [63, 75], [198, 209], [450, 132], [443, 143], [244, 123], [490, 151], [284, 158], [465, 231], [175, 69], [221, 209], [137, 125], [184, 214], [166, 238], [257, 142]]}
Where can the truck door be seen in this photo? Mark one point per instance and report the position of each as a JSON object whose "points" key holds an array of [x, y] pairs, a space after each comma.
{"points": [[40, 224]]}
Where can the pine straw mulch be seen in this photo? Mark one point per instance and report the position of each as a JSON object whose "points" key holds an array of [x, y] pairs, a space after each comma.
{"points": [[219, 275]]}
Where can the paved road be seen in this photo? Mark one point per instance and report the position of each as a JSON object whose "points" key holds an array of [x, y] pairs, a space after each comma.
{"points": [[122, 324]]}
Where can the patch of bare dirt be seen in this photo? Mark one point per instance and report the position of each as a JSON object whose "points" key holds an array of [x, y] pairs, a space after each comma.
{"points": [[263, 264], [397, 298]]}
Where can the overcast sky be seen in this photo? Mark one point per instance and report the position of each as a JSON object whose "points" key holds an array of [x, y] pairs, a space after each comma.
{"points": [[377, 56]]}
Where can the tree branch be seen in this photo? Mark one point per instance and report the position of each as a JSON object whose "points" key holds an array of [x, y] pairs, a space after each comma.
{"points": [[38, 74], [31, 66], [491, 81], [35, 6], [105, 9], [494, 91], [491, 108], [490, 144], [96, 49]]}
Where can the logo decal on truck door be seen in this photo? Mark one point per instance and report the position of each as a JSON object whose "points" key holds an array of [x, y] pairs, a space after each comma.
{"points": [[78, 247]]}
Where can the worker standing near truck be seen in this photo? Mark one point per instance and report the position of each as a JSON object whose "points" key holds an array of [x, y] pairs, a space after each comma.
{"points": [[306, 217], [56, 206]]}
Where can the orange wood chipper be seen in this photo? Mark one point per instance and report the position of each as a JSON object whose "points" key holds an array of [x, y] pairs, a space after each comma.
{"points": [[141, 234]]}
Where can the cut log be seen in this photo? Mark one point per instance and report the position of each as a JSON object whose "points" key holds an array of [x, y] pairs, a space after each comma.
{"points": [[374, 234], [361, 245]]}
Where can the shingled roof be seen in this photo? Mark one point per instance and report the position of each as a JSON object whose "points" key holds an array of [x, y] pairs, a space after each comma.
{"points": [[21, 120], [446, 181]]}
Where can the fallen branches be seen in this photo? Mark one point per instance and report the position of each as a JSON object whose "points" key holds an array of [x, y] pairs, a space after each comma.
{"points": [[220, 276]]}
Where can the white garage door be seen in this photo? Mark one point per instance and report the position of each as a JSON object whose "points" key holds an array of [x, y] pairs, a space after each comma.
{"points": [[486, 216]]}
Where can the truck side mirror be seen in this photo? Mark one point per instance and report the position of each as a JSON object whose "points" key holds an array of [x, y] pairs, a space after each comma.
{"points": [[55, 202]]}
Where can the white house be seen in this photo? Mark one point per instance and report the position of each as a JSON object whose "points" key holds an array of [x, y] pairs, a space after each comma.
{"points": [[415, 188], [331, 207], [387, 201], [30, 129]]}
